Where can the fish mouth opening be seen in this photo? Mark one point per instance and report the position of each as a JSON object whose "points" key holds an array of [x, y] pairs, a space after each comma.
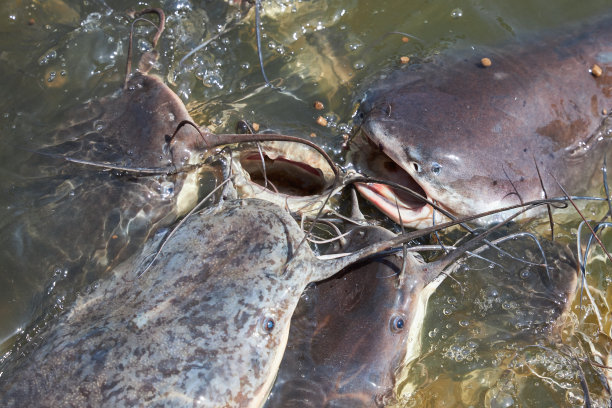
{"points": [[399, 205], [283, 170], [284, 176]]}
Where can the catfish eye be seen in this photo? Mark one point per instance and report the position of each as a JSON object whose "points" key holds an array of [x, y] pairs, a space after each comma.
{"points": [[436, 168], [267, 325], [397, 323]]}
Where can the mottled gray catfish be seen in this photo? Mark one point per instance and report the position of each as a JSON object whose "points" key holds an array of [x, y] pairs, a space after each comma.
{"points": [[206, 324], [66, 217], [467, 137]]}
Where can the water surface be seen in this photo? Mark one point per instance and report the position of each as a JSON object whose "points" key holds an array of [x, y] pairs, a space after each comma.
{"points": [[58, 54]]}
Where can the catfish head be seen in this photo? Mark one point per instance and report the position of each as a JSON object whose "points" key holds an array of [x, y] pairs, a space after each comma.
{"points": [[474, 139]]}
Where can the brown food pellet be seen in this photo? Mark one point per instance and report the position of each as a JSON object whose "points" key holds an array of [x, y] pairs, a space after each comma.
{"points": [[31, 21], [405, 39], [404, 60], [255, 127], [313, 134], [115, 236], [345, 137], [596, 71], [486, 62], [321, 121], [604, 111], [318, 105]]}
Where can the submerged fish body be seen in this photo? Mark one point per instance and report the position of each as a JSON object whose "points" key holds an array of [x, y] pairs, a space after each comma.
{"points": [[206, 325], [469, 137], [130, 128], [82, 221]]}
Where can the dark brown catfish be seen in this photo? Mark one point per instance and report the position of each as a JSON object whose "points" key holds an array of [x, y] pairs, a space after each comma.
{"points": [[350, 333], [470, 137]]}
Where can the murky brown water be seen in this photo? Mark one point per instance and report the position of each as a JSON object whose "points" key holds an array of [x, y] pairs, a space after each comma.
{"points": [[56, 54]]}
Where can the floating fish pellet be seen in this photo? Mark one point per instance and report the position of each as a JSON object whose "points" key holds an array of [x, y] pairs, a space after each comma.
{"points": [[596, 71]]}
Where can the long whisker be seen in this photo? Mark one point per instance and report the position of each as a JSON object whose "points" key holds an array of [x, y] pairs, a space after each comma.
{"points": [[263, 165], [258, 38], [160, 30], [583, 218], [513, 186], [548, 206], [604, 171], [170, 139], [402, 275], [582, 261], [308, 233], [146, 171], [435, 206]]}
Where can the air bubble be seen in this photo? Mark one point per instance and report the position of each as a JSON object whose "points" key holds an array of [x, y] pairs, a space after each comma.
{"points": [[502, 400], [45, 59], [457, 13]]}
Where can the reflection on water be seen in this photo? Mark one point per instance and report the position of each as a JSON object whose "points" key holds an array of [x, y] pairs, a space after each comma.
{"points": [[482, 344]]}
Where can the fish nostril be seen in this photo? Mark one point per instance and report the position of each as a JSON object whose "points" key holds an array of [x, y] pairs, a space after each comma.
{"points": [[416, 167]]}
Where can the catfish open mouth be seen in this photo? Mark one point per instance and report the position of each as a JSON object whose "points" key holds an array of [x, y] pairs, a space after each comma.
{"points": [[282, 175], [290, 174], [395, 203]]}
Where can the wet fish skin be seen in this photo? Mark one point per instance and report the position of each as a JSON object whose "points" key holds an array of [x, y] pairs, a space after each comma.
{"points": [[344, 345], [345, 348], [191, 330], [130, 128]]}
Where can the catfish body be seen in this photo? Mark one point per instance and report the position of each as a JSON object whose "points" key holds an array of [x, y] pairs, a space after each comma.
{"points": [[472, 138], [206, 325], [349, 333]]}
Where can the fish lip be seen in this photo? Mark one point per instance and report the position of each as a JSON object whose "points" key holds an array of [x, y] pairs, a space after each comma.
{"points": [[383, 198]]}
